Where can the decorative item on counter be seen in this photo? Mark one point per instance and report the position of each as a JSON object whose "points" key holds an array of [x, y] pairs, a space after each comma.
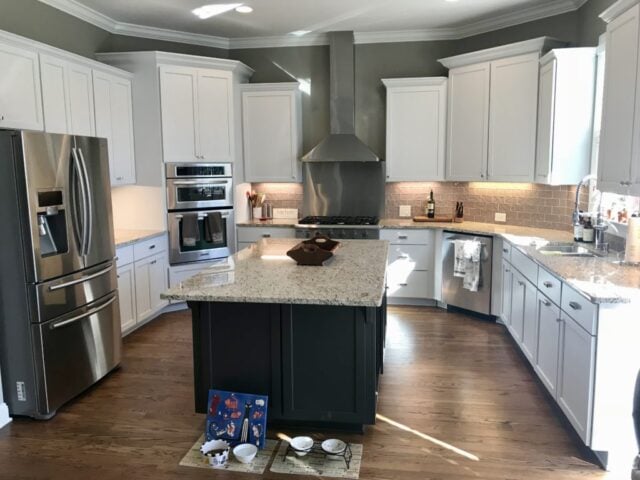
{"points": [[267, 210], [632, 251], [623, 216], [237, 418], [436, 219], [459, 216], [313, 252], [431, 206], [217, 451], [588, 232]]}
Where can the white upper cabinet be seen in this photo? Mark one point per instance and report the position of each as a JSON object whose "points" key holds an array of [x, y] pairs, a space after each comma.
{"points": [[619, 157], [197, 114], [493, 112], [468, 124], [114, 121], [513, 115], [67, 96], [20, 94], [565, 115], [272, 132], [416, 128]]}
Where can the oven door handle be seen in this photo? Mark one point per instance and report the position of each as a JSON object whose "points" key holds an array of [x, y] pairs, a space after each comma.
{"points": [[201, 182], [203, 215]]}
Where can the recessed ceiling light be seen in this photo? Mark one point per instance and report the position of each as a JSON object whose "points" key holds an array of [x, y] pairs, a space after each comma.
{"points": [[300, 33], [208, 11], [244, 9]]}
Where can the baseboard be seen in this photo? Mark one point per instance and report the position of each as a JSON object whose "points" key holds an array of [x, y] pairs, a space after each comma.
{"points": [[4, 415], [411, 302]]}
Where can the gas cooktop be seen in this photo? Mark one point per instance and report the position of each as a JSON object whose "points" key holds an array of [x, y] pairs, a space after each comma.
{"points": [[339, 221]]}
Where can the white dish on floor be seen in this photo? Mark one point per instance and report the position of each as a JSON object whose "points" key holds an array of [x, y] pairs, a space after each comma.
{"points": [[334, 448], [301, 445], [245, 452]]}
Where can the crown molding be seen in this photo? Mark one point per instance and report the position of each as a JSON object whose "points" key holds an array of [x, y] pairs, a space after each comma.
{"points": [[415, 82], [496, 22], [617, 9]]}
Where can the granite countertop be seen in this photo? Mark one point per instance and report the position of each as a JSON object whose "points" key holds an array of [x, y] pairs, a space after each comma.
{"points": [[262, 273], [275, 222], [128, 237]]}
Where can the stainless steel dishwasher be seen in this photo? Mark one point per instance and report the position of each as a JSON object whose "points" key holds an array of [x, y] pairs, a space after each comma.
{"points": [[453, 293]]}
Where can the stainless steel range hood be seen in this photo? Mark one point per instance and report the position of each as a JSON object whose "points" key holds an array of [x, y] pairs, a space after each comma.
{"points": [[341, 145]]}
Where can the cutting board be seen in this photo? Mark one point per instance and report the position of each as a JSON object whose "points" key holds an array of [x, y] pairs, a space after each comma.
{"points": [[438, 218]]}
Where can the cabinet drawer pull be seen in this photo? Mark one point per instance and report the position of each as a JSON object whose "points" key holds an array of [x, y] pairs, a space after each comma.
{"points": [[506, 270], [548, 284], [266, 235], [521, 283], [505, 250], [575, 305], [403, 255], [558, 320], [402, 237], [151, 247], [153, 262], [403, 284], [546, 303]]}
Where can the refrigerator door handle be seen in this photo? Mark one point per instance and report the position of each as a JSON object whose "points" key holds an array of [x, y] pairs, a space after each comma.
{"points": [[60, 286], [83, 164], [77, 318], [85, 203]]}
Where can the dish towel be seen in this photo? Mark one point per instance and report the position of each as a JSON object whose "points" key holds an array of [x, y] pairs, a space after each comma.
{"points": [[190, 229], [459, 262], [467, 257], [213, 228]]}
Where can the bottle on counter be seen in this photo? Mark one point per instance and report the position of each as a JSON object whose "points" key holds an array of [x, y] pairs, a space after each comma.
{"points": [[431, 206], [578, 229], [588, 233]]}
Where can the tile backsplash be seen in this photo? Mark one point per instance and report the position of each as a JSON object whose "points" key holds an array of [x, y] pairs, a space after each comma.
{"points": [[525, 204]]}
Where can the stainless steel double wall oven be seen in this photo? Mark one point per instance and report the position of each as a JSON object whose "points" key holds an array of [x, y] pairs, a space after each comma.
{"points": [[200, 211]]}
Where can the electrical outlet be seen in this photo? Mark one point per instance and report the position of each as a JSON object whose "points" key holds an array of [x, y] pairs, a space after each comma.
{"points": [[405, 210], [291, 213], [501, 217]]}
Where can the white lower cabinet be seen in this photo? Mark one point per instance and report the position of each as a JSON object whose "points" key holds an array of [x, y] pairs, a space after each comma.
{"points": [[576, 369], [530, 322], [518, 295], [507, 282], [546, 365], [127, 296], [142, 277]]}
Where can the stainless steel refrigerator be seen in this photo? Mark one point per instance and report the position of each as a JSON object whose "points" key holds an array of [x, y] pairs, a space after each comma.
{"points": [[59, 315]]}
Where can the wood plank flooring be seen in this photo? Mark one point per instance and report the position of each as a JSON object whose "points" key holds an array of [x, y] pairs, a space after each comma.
{"points": [[456, 402]]}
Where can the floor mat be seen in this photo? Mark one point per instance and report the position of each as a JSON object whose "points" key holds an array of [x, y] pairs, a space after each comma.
{"points": [[316, 464], [194, 458]]}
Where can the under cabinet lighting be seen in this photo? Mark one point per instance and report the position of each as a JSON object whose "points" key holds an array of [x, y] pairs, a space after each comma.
{"points": [[244, 9], [208, 11], [300, 33]]}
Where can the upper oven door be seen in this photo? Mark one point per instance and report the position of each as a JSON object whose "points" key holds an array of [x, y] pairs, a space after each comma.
{"points": [[199, 193]]}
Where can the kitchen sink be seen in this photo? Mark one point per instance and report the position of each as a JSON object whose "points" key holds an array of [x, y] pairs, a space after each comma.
{"points": [[567, 250]]}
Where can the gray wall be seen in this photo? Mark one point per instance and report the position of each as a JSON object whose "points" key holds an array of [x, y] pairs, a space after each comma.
{"points": [[590, 26]]}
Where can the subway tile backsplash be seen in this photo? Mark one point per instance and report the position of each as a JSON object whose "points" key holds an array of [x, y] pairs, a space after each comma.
{"points": [[525, 204]]}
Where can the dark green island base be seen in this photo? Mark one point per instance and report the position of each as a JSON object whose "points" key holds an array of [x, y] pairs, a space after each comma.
{"points": [[319, 364]]}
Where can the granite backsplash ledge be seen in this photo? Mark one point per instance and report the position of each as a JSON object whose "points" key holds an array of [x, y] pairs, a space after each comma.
{"points": [[525, 204]]}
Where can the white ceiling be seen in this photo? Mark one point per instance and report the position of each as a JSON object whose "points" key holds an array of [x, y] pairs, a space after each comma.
{"points": [[276, 19]]}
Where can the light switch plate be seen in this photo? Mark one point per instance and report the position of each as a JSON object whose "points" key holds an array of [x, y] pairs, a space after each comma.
{"points": [[405, 210], [501, 217], [285, 213]]}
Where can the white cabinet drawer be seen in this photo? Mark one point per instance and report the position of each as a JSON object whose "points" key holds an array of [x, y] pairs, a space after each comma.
{"points": [[580, 309], [407, 237], [506, 251], [525, 265], [419, 257], [549, 285], [253, 234], [124, 255], [417, 284], [149, 247]]}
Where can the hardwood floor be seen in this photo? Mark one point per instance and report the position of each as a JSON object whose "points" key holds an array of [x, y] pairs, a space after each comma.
{"points": [[456, 402]]}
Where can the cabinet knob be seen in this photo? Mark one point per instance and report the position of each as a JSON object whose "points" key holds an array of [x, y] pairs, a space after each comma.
{"points": [[558, 320], [506, 270], [482, 175], [402, 237], [151, 247], [521, 283], [119, 178], [153, 262], [403, 284], [575, 305], [548, 284], [1, 118], [266, 235], [546, 303]]}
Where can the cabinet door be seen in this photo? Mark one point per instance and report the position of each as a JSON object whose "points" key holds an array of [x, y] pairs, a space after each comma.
{"points": [[518, 296], [81, 114], [55, 100], [618, 107], [513, 118], [127, 296], [507, 279], [214, 116], [158, 280], [549, 325], [530, 322], [178, 100], [576, 375], [20, 93], [122, 132], [270, 136], [144, 306], [468, 124], [546, 109], [416, 131]]}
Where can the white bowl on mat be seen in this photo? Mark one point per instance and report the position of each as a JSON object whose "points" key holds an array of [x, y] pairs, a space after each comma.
{"points": [[301, 445], [334, 448], [245, 452]]}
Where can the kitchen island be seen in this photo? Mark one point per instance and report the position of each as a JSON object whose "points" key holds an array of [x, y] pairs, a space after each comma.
{"points": [[311, 338]]}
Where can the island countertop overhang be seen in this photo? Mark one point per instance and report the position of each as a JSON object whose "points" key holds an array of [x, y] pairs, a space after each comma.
{"points": [[262, 273]]}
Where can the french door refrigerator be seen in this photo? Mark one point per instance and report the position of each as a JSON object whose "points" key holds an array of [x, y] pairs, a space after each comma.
{"points": [[59, 315]]}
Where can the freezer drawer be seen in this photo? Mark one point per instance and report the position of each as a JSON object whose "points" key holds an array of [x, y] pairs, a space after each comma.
{"points": [[453, 292], [75, 351]]}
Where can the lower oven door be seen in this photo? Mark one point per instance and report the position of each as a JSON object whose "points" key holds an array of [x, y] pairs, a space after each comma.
{"points": [[203, 248]]}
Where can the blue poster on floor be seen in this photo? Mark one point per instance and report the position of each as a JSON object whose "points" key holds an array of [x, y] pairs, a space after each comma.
{"points": [[237, 418]]}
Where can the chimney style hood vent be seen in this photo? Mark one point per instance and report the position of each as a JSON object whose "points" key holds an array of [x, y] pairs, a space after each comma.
{"points": [[341, 145]]}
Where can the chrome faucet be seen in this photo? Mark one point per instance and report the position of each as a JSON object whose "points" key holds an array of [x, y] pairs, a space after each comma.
{"points": [[601, 228], [576, 210]]}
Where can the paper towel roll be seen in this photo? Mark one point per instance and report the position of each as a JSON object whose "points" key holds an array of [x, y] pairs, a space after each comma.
{"points": [[632, 252]]}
